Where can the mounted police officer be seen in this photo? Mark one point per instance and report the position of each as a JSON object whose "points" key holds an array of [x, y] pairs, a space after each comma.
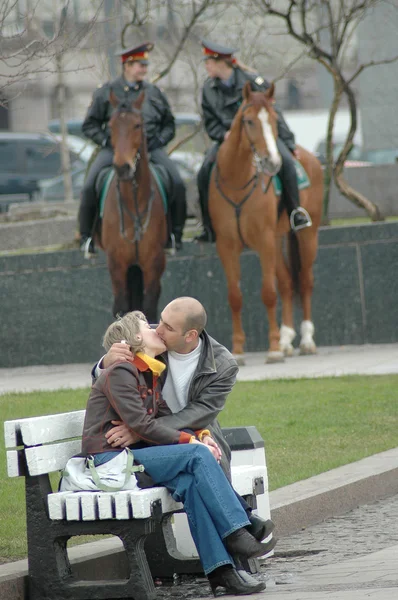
{"points": [[221, 98], [160, 129]]}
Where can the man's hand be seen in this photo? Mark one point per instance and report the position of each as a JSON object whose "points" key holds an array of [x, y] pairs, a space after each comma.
{"points": [[119, 352], [213, 446], [120, 436], [296, 153]]}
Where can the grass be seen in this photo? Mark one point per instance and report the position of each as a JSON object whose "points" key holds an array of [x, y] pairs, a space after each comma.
{"points": [[309, 426]]}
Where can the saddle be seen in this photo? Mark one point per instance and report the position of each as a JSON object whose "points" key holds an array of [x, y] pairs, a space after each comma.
{"points": [[106, 175]]}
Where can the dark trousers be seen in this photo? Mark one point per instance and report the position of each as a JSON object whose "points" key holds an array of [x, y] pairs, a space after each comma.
{"points": [[177, 199], [88, 205], [287, 173]]}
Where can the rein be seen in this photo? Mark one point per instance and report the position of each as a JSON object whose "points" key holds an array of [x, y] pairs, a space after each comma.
{"points": [[253, 180]]}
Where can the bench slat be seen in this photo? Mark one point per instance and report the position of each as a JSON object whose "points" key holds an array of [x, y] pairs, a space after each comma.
{"points": [[45, 429], [53, 457]]}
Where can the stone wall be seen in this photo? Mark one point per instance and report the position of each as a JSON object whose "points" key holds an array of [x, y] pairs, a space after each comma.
{"points": [[56, 307]]}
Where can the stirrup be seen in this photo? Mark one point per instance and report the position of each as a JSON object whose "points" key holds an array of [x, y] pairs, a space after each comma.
{"points": [[300, 211], [88, 248], [170, 247]]}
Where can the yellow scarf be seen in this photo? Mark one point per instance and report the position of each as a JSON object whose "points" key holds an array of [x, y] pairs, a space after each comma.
{"points": [[156, 366]]}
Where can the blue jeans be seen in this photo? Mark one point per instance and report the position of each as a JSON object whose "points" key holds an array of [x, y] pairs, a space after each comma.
{"points": [[194, 477]]}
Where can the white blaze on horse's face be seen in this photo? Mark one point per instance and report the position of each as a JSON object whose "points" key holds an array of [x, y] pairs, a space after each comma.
{"points": [[274, 160]]}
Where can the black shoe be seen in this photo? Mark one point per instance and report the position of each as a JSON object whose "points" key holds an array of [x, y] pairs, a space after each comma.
{"points": [[233, 583], [299, 219], [260, 528], [206, 236], [87, 246], [242, 543]]}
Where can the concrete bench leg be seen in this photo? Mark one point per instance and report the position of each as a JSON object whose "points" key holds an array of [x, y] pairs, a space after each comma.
{"points": [[50, 575], [162, 554]]}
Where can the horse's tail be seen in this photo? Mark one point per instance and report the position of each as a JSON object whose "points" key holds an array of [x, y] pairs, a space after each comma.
{"points": [[135, 287], [294, 261]]}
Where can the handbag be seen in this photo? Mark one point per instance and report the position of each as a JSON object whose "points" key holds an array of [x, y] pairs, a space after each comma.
{"points": [[80, 474]]}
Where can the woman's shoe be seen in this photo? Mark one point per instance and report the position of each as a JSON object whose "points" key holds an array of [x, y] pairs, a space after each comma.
{"points": [[242, 543], [259, 527], [233, 583]]}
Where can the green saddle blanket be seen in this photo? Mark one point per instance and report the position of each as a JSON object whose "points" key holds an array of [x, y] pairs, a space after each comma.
{"points": [[303, 180], [109, 178]]}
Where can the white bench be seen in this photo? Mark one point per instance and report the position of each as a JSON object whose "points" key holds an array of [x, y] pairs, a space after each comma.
{"points": [[38, 446]]}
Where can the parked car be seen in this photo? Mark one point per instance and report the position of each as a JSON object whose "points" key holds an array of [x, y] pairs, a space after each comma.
{"points": [[28, 159], [355, 154]]}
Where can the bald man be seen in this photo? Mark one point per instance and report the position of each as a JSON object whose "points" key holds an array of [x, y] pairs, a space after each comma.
{"points": [[200, 374]]}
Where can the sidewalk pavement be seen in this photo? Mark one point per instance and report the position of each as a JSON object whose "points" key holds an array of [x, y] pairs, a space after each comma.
{"points": [[372, 576], [331, 361]]}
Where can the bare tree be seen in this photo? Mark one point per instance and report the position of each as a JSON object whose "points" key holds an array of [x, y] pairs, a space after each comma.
{"points": [[27, 53], [326, 28]]}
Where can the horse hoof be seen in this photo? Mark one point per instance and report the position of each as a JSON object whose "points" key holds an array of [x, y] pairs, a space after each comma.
{"points": [[308, 350], [240, 359], [275, 356], [288, 351]]}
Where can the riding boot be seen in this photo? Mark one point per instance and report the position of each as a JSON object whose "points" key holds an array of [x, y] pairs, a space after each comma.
{"points": [[298, 216], [87, 212], [203, 180], [178, 216], [207, 234]]}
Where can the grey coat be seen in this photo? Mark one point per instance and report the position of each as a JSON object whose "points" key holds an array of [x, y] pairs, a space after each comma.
{"points": [[213, 380]]}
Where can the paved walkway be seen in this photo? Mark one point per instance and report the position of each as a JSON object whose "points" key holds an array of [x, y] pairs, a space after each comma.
{"points": [[329, 362]]}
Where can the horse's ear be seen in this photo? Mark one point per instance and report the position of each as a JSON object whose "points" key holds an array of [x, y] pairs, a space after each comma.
{"points": [[247, 88], [270, 91], [113, 99], [140, 100]]}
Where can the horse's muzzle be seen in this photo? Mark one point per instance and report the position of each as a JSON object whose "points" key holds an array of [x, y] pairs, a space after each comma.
{"points": [[124, 172]]}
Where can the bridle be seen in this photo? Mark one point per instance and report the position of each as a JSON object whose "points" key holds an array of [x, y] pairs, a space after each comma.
{"points": [[259, 163], [140, 219]]}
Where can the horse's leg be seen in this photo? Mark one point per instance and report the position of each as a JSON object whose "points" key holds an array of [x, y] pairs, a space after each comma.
{"points": [[230, 257], [118, 273], [285, 288], [267, 255], [152, 287], [308, 250]]}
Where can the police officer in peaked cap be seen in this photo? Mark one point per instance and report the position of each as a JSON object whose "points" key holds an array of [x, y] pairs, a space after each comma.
{"points": [[221, 98], [160, 129]]}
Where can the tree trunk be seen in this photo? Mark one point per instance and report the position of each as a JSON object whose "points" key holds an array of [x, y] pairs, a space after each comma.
{"points": [[353, 195], [328, 173], [65, 156], [357, 198]]}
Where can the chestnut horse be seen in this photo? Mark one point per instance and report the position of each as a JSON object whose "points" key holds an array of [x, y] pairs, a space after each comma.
{"points": [[244, 212], [134, 229]]}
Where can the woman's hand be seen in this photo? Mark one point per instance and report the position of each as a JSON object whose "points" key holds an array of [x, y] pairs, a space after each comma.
{"points": [[119, 352], [212, 448], [121, 436], [215, 449]]}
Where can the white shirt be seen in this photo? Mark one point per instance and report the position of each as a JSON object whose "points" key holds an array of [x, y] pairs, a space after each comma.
{"points": [[179, 376]]}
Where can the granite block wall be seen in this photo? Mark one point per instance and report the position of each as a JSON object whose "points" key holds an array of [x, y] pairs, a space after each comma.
{"points": [[55, 307]]}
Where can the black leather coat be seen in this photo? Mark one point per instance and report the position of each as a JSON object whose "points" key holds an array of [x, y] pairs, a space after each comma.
{"points": [[221, 103], [158, 118]]}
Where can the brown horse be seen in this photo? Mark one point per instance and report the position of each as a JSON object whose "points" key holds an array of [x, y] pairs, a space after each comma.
{"points": [[134, 228], [244, 212]]}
